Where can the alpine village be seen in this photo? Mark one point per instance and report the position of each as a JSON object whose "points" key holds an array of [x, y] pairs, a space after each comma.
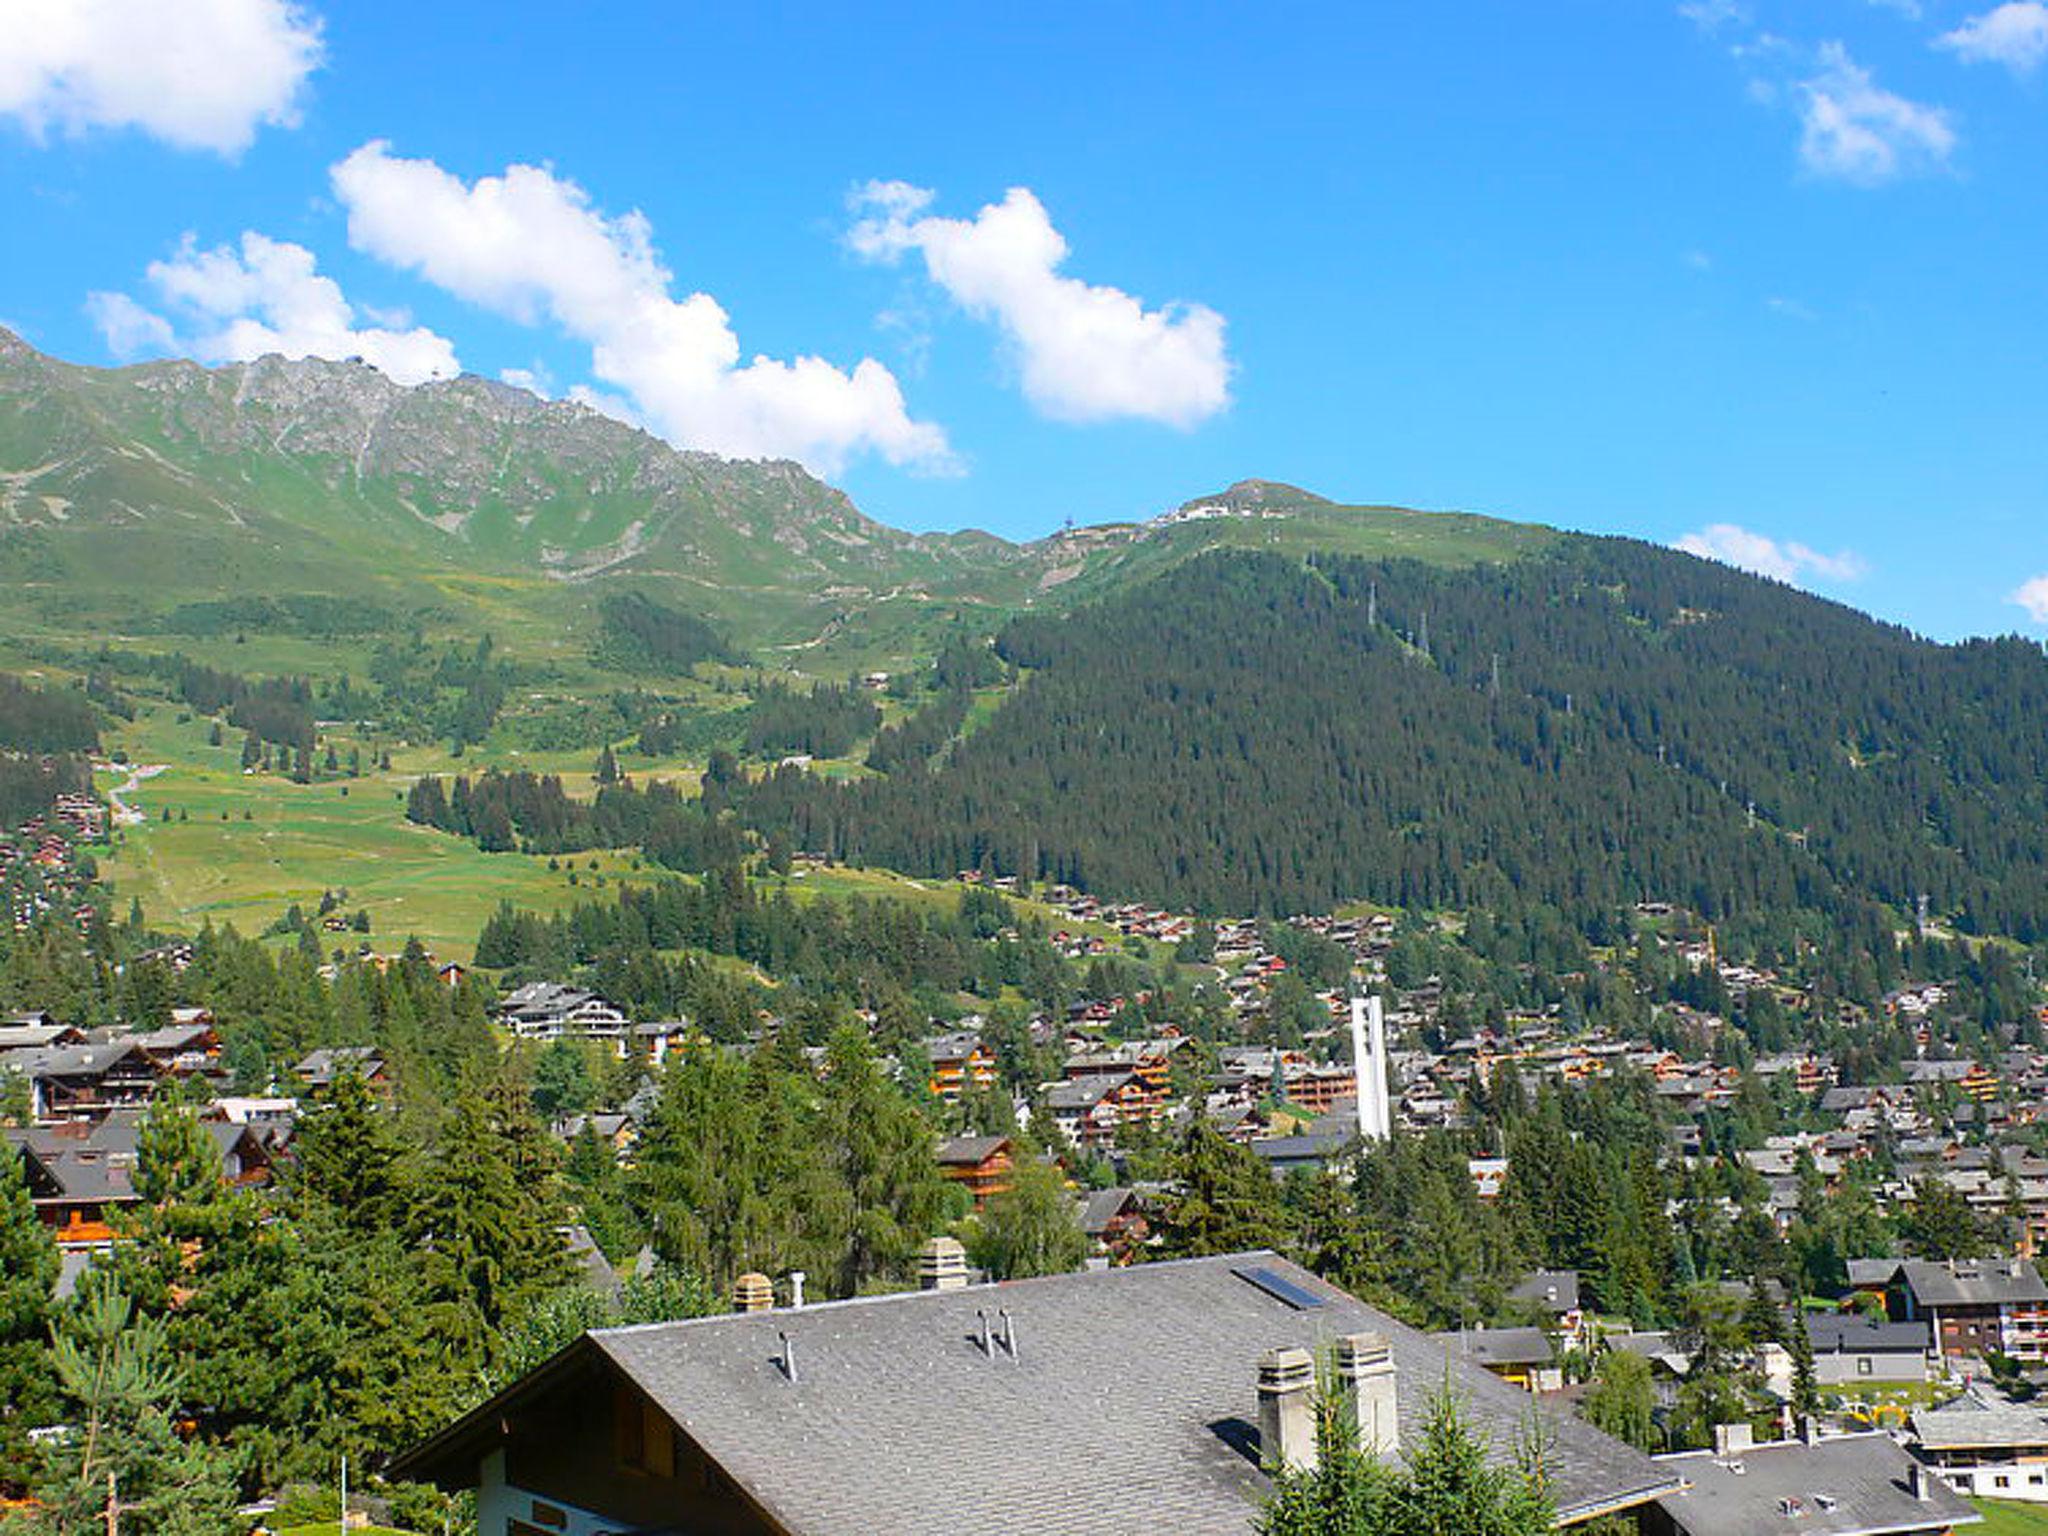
{"points": [[558, 978]]}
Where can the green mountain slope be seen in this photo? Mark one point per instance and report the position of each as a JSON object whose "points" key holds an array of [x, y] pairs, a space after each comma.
{"points": [[1600, 723], [126, 493]]}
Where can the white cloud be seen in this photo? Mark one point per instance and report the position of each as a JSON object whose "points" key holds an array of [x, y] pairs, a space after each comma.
{"points": [[263, 297], [2015, 35], [1855, 131], [200, 74], [2032, 595], [1791, 309], [1910, 9], [1713, 15], [1783, 561], [1084, 352], [129, 329], [529, 245]]}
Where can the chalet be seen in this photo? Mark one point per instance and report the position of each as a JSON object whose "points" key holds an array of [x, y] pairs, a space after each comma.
{"points": [[1105, 1401], [85, 1082], [181, 1050], [37, 1032], [960, 1060], [1848, 1485], [657, 1038], [1555, 1293], [1983, 1445], [320, 1069], [546, 1010], [978, 1164], [1973, 1307], [1115, 1223], [1089, 1110], [75, 1192], [80, 1174]]}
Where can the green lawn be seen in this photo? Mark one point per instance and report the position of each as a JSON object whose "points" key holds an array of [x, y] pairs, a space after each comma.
{"points": [[2002, 1517], [241, 848]]}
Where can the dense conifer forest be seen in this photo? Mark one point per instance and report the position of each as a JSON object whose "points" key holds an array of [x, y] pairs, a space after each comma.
{"points": [[1608, 723]]}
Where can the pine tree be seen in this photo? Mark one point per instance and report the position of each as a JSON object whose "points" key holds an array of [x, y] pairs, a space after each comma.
{"points": [[119, 1371], [1226, 1201], [1449, 1487], [28, 1276]]}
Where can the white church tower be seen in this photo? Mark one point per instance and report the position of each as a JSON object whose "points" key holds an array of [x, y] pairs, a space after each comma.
{"points": [[1369, 1061]]}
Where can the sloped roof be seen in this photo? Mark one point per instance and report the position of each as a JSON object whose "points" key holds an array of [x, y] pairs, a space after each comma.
{"points": [[1555, 1289], [1854, 1485], [1976, 1422], [1132, 1390], [1976, 1283]]}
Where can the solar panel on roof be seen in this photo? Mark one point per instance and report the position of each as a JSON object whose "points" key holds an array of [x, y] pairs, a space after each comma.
{"points": [[1279, 1287]]}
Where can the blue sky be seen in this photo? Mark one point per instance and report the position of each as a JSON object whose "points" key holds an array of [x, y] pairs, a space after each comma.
{"points": [[1768, 278]]}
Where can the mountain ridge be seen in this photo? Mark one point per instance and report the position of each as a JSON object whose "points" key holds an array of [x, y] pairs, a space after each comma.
{"points": [[125, 489]]}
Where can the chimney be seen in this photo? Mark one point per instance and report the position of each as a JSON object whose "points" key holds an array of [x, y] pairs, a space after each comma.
{"points": [[796, 1289], [752, 1292], [1365, 1379], [1917, 1480], [1287, 1419], [942, 1265], [1733, 1439]]}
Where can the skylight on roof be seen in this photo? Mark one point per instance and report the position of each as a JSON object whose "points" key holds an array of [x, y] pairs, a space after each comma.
{"points": [[1279, 1287]]}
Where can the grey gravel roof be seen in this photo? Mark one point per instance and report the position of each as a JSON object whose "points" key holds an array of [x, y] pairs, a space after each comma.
{"points": [[1863, 1475], [1134, 1389]]}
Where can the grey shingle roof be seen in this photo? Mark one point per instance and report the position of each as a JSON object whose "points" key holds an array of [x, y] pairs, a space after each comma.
{"points": [[1133, 1390], [1980, 1423], [1500, 1346], [1984, 1283], [1860, 1335], [1555, 1289], [1863, 1478]]}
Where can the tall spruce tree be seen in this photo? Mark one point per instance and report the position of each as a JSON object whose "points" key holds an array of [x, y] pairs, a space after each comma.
{"points": [[28, 1277]]}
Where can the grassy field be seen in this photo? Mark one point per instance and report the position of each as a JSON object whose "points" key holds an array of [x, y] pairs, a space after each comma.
{"points": [[242, 848], [2002, 1517]]}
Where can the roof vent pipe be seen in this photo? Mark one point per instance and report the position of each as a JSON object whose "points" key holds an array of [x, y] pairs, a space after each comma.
{"points": [[1009, 1331], [788, 1356]]}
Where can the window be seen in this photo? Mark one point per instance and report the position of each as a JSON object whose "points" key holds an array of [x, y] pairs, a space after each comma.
{"points": [[1863, 1365]]}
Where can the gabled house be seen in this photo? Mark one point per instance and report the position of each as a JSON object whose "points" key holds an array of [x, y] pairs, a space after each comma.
{"points": [[1090, 1404], [1984, 1445], [319, 1069], [85, 1082], [960, 1061], [978, 1164], [1973, 1306], [546, 1010]]}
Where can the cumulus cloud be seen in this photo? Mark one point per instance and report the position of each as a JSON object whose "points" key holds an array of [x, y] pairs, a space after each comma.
{"points": [[200, 74], [2032, 595], [263, 296], [1854, 130], [529, 245], [2015, 35], [1084, 352], [1788, 561]]}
